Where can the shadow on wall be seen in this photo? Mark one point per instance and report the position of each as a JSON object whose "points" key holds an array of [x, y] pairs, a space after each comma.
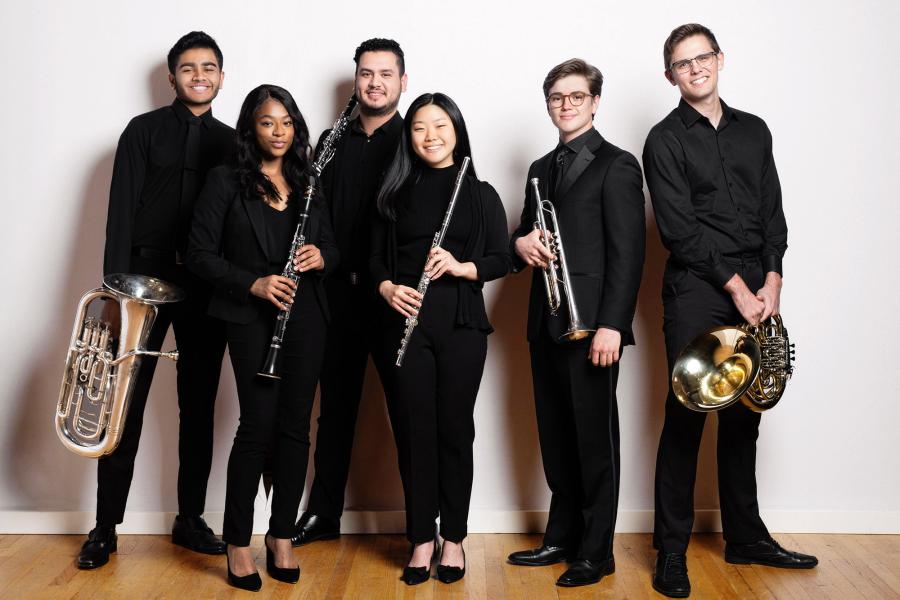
{"points": [[48, 476]]}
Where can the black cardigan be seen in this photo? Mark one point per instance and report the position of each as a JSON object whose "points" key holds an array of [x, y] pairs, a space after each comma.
{"points": [[486, 246]]}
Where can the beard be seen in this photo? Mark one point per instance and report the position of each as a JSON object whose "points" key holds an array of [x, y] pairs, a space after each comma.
{"points": [[370, 111]]}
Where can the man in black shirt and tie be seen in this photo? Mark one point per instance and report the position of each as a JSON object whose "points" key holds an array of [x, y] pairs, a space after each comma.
{"points": [[717, 201], [160, 166], [350, 183], [596, 189]]}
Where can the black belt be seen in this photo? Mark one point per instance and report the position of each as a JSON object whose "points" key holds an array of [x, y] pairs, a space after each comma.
{"points": [[166, 256]]}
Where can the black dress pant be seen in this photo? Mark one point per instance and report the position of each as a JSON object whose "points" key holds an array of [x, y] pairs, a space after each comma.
{"points": [[691, 306], [201, 344], [274, 415], [578, 428], [350, 339], [431, 401]]}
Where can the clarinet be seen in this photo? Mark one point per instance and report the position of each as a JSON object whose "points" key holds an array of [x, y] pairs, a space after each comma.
{"points": [[272, 366], [424, 279]]}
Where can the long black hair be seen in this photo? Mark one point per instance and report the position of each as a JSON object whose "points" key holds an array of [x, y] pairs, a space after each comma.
{"points": [[248, 158], [407, 166]]}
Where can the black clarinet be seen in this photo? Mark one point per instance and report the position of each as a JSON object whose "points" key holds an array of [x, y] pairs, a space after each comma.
{"points": [[424, 279], [272, 366]]}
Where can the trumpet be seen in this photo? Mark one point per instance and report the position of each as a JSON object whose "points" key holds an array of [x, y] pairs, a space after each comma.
{"points": [[557, 281], [725, 364], [102, 363]]}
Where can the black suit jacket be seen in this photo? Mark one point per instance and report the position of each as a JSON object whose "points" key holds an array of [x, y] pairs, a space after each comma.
{"points": [[601, 221], [228, 247]]}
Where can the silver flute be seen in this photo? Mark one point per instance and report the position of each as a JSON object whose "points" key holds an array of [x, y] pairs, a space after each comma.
{"points": [[272, 366], [424, 279]]}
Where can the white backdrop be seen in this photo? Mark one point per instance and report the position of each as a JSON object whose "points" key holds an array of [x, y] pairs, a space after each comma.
{"points": [[822, 74]]}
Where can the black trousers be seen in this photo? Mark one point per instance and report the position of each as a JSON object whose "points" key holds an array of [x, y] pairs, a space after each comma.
{"points": [[431, 401], [201, 344], [691, 306], [578, 429], [350, 340], [274, 415]]}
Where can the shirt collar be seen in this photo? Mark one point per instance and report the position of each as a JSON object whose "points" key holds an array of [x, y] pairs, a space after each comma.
{"points": [[689, 114], [394, 124], [580, 142], [185, 115]]}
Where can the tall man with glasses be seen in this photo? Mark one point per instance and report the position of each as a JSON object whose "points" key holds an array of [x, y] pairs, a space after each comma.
{"points": [[596, 189], [717, 200], [350, 182]]}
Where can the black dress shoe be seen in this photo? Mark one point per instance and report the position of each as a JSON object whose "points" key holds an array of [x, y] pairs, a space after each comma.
{"points": [[448, 574], [251, 582], [285, 574], [585, 572], [312, 528], [95, 551], [670, 577], [194, 534], [770, 553], [417, 575], [538, 557]]}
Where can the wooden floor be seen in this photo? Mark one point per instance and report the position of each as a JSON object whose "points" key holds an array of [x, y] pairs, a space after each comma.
{"points": [[368, 566]]}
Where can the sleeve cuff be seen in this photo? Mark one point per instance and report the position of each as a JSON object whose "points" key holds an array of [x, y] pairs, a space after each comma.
{"points": [[772, 263], [721, 273]]}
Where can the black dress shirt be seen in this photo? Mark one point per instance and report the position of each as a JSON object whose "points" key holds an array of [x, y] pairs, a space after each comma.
{"points": [[563, 156], [715, 191], [160, 167], [350, 184]]}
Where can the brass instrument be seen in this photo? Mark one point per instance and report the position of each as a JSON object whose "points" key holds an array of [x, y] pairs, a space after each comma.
{"points": [[726, 364], [557, 280], [424, 279], [272, 365], [102, 363]]}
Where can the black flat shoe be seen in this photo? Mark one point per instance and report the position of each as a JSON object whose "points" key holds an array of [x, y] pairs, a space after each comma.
{"points": [[538, 557], [585, 572], [417, 575], [288, 574], [769, 553], [95, 551], [312, 528], [448, 574], [251, 582], [670, 578], [194, 534]]}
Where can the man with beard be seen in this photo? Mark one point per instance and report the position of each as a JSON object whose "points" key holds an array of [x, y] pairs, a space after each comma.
{"points": [[160, 166], [350, 182]]}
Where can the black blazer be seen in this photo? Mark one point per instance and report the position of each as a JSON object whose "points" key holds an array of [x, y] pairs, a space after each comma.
{"points": [[228, 247], [601, 219]]}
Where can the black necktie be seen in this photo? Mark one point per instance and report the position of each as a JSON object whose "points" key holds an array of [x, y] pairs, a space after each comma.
{"points": [[190, 181], [559, 170]]}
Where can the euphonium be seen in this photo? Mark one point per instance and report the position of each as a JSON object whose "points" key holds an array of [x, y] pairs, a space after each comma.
{"points": [[102, 363], [557, 280], [726, 364]]}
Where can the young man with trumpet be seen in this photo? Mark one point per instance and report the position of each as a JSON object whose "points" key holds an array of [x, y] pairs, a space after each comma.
{"points": [[160, 166], [597, 237], [717, 201]]}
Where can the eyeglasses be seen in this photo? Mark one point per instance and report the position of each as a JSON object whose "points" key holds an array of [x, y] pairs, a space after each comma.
{"points": [[575, 99], [703, 61]]}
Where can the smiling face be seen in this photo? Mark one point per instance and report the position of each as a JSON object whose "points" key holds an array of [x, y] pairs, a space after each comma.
{"points": [[433, 137], [274, 129], [379, 83], [197, 78], [697, 84], [572, 121]]}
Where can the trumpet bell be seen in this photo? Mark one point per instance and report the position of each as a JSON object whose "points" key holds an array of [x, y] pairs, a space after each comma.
{"points": [[716, 369]]}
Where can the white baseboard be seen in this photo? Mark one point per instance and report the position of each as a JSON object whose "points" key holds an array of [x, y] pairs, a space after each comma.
{"points": [[480, 521]]}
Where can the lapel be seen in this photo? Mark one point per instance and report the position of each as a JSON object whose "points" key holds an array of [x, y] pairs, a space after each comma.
{"points": [[584, 158], [254, 210]]}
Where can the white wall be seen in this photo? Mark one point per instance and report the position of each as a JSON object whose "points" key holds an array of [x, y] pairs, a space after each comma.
{"points": [[822, 74]]}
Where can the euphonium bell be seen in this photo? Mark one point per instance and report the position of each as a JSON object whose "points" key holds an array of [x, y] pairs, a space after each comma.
{"points": [[103, 362], [727, 364]]}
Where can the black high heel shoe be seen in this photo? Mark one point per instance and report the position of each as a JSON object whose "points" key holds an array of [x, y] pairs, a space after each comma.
{"points": [[417, 575], [448, 574], [287, 575], [251, 582]]}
